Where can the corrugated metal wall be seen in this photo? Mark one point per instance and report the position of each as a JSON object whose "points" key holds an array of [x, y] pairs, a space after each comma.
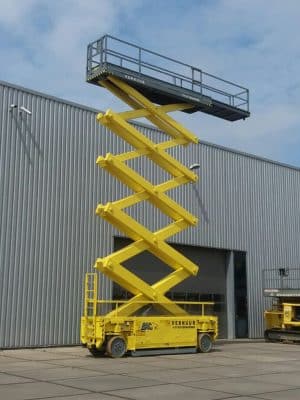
{"points": [[49, 235]]}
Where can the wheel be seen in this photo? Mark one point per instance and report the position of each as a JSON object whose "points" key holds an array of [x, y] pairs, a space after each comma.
{"points": [[96, 352], [116, 347], [204, 342]]}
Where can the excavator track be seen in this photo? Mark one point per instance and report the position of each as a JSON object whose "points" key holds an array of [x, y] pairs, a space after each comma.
{"points": [[282, 335]]}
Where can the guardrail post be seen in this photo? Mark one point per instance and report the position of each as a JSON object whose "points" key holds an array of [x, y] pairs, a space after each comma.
{"points": [[140, 60], [201, 82], [247, 100], [101, 50], [193, 78], [105, 49]]}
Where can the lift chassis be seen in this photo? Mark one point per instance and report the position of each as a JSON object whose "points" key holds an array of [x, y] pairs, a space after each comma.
{"points": [[140, 335]]}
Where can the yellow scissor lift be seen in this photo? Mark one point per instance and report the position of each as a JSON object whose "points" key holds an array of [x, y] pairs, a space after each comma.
{"points": [[149, 321]]}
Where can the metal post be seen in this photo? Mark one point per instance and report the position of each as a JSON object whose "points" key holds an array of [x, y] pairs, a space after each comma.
{"points": [[95, 293], [192, 78], [105, 49], [201, 87], [230, 305], [140, 60], [247, 100], [101, 52]]}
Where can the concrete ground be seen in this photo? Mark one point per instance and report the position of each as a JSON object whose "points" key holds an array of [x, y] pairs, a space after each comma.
{"points": [[240, 371]]}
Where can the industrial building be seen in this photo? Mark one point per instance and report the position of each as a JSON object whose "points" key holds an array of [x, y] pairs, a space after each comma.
{"points": [[49, 235]]}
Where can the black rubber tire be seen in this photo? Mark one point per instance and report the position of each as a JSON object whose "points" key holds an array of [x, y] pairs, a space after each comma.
{"points": [[116, 347], [204, 343], [96, 352]]}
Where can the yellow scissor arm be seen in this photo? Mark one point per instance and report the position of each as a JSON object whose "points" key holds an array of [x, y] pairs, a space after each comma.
{"points": [[143, 190]]}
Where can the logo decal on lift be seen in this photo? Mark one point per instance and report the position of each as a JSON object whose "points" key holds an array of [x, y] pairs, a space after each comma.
{"points": [[183, 324], [133, 78], [146, 326]]}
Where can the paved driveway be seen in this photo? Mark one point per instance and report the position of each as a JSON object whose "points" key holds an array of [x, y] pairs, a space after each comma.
{"points": [[239, 371]]}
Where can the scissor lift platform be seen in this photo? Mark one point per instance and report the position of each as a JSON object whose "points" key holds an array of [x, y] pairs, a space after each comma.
{"points": [[153, 86], [164, 80]]}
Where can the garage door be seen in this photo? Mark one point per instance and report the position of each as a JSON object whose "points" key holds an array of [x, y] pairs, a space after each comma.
{"points": [[208, 285]]}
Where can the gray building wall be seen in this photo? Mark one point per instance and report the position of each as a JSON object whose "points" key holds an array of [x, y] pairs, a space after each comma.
{"points": [[49, 234]]}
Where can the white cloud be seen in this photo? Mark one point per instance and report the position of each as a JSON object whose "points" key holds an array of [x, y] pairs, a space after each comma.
{"points": [[13, 12], [253, 43]]}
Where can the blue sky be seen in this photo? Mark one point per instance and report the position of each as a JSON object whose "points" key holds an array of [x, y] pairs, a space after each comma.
{"points": [[251, 42]]}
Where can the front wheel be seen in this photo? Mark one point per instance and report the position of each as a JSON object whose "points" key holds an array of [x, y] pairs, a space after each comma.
{"points": [[204, 342], [116, 347]]}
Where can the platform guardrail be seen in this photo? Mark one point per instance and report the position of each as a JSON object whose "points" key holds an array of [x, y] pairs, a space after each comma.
{"points": [[281, 279], [110, 50]]}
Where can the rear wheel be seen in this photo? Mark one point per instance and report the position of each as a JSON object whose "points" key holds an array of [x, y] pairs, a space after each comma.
{"points": [[116, 347], [204, 342]]}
